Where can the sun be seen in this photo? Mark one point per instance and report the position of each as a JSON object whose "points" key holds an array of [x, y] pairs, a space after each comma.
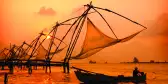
{"points": [[48, 37]]}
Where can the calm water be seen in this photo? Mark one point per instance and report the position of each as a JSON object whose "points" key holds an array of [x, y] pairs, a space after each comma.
{"points": [[156, 73]]}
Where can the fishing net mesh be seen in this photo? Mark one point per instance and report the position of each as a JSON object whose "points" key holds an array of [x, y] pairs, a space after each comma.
{"points": [[95, 41]]}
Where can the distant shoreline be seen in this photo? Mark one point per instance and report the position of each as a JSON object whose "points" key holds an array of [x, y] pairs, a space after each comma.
{"points": [[146, 62]]}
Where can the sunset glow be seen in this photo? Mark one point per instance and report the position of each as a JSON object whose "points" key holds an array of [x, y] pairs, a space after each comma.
{"points": [[48, 37]]}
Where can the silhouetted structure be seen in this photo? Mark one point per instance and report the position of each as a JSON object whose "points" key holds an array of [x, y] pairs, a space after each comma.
{"points": [[92, 62], [90, 46], [135, 60], [152, 61], [5, 78]]}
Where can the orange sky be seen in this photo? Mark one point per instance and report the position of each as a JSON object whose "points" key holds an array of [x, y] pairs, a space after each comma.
{"points": [[23, 19]]}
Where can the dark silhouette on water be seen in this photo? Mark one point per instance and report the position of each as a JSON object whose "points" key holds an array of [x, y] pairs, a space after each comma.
{"points": [[135, 60], [5, 78], [29, 66], [88, 77], [48, 65], [66, 68], [92, 62], [152, 61], [135, 72], [11, 65]]}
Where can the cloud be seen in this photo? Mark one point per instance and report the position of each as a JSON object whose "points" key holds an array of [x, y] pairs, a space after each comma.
{"points": [[47, 11]]}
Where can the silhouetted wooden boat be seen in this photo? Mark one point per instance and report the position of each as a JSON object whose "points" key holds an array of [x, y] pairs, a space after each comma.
{"points": [[92, 77]]}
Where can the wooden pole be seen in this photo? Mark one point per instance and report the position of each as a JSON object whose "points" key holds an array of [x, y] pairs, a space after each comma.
{"points": [[5, 78]]}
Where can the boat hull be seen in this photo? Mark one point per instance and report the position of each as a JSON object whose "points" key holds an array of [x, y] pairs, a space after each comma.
{"points": [[86, 78]]}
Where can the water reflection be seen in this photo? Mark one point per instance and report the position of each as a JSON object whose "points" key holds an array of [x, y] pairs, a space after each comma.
{"points": [[156, 73]]}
